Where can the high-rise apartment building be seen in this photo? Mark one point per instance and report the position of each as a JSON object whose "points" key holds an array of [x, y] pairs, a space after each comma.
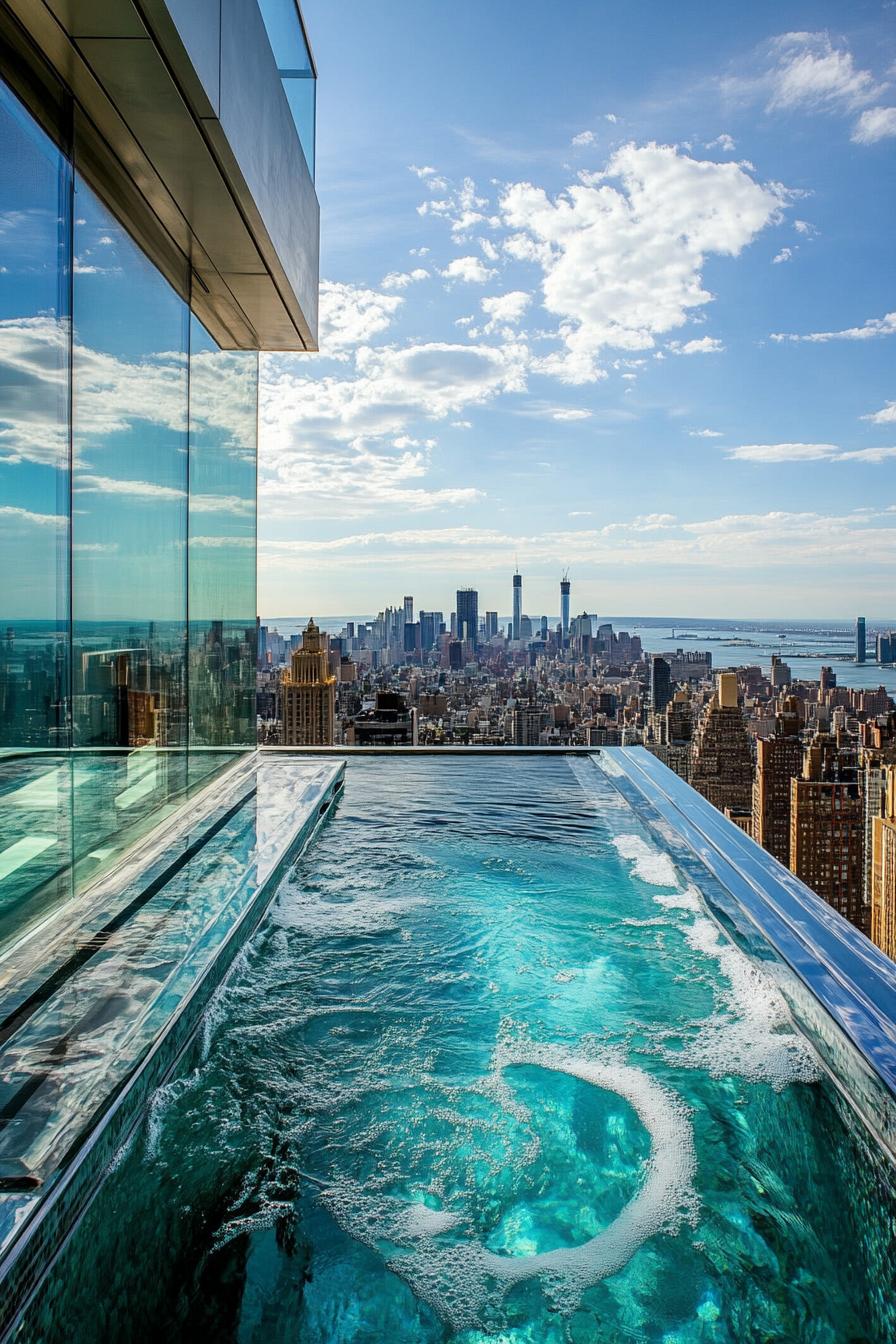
{"points": [[779, 759], [468, 615], [883, 868], [308, 694], [525, 726], [491, 624], [861, 644], [827, 830], [408, 610], [721, 755], [517, 604]]}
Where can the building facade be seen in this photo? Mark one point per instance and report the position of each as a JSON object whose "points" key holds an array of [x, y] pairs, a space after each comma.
{"points": [[883, 869]]}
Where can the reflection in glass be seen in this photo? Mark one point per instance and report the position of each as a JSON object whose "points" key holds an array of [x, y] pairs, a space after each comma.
{"points": [[35, 214], [295, 68], [223, 428], [129, 525]]}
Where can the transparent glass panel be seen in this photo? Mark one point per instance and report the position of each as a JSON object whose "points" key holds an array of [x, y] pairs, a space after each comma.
{"points": [[295, 67], [222, 638], [35, 275], [129, 527]]}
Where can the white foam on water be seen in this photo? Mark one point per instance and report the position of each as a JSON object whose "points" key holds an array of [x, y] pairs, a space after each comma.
{"points": [[422, 1221], [649, 864], [751, 1034], [463, 1278], [689, 900]]}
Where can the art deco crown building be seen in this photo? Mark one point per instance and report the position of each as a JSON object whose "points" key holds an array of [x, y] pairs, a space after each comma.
{"points": [[779, 759], [308, 694], [721, 756]]}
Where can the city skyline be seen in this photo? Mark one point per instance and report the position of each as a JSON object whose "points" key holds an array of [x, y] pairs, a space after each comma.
{"points": [[480, 395]]}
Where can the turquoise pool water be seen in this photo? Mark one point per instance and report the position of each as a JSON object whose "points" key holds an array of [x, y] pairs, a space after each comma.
{"points": [[488, 1072]]}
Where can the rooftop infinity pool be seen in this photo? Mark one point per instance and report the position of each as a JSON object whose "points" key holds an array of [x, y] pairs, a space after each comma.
{"points": [[489, 1070]]}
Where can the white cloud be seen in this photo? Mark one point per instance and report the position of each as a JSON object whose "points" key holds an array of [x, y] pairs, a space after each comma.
{"points": [[401, 279], [885, 416], [87, 484], [461, 206], [704, 345], [584, 138], [812, 72], [570, 413], [27, 518], [471, 270], [505, 310], [759, 542], [723, 141], [347, 446], [622, 264], [350, 315], [869, 331], [419, 251], [610, 116], [705, 434], [784, 255], [807, 452], [804, 227], [784, 452], [868, 455], [876, 123]]}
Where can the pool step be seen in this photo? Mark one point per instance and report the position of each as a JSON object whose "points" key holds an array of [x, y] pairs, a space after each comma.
{"points": [[83, 1048]]}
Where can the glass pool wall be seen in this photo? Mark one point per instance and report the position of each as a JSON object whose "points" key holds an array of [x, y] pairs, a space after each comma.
{"points": [[489, 1071]]}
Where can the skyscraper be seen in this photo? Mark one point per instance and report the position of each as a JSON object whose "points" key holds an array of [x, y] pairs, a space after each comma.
{"points": [[660, 684], [779, 759], [564, 608], [860, 639], [468, 615], [408, 611], [308, 694], [827, 830], [722, 758], [491, 624], [517, 603]]}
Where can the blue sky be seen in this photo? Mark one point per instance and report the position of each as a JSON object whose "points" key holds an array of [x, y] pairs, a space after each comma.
{"points": [[558, 246]]}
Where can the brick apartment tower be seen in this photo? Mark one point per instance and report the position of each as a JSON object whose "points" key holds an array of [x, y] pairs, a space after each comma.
{"points": [[827, 828], [308, 695], [721, 755], [779, 759]]}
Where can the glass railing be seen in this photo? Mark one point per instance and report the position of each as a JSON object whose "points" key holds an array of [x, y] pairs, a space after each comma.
{"points": [[295, 65]]}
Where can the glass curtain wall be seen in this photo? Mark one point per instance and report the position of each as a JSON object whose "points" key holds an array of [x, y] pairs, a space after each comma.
{"points": [[222, 527], [127, 534]]}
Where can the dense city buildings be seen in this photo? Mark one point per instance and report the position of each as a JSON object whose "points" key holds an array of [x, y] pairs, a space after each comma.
{"points": [[799, 765], [308, 694]]}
